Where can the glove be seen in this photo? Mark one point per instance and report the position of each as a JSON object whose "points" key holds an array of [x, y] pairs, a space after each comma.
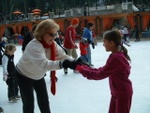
{"points": [[5, 77], [70, 64], [93, 45], [81, 61], [89, 41]]}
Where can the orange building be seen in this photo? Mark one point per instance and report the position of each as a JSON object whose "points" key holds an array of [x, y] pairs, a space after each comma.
{"points": [[101, 22]]}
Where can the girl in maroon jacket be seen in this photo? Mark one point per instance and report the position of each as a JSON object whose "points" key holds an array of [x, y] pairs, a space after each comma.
{"points": [[117, 69]]}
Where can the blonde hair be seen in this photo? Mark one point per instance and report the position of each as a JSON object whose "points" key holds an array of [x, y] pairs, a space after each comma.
{"points": [[9, 47], [45, 26]]}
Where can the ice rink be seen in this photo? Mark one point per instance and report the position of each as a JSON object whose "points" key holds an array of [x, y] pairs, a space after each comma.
{"points": [[76, 94]]}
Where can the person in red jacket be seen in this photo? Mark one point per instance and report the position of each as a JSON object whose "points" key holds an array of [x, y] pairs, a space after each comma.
{"points": [[83, 45], [70, 38], [117, 69]]}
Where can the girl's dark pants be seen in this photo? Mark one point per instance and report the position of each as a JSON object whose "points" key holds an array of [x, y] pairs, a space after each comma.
{"points": [[12, 86], [27, 87]]}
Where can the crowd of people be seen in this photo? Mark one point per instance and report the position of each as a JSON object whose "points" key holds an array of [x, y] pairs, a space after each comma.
{"points": [[48, 53]]}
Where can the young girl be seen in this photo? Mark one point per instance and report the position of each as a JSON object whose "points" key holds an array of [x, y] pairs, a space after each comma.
{"points": [[8, 72], [117, 69], [83, 45]]}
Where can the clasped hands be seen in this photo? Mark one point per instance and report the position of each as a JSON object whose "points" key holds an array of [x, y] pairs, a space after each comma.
{"points": [[73, 64]]}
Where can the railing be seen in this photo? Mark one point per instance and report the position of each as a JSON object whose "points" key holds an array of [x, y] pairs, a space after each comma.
{"points": [[146, 34]]}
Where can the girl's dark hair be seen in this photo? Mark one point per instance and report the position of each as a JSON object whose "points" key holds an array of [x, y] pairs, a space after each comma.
{"points": [[115, 36]]}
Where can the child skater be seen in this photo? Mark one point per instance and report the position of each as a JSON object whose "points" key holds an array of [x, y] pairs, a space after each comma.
{"points": [[123, 40], [117, 69], [83, 45], [8, 72]]}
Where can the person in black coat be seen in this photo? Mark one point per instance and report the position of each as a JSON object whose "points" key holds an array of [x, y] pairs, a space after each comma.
{"points": [[136, 29], [28, 37], [2, 48]]}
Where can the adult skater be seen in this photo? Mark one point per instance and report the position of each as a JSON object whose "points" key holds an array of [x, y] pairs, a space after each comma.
{"points": [[42, 54]]}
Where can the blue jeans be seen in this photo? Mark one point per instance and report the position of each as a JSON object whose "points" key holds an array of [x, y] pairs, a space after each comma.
{"points": [[84, 57], [89, 54]]}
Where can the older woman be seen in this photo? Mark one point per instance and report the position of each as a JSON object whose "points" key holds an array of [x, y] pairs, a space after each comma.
{"points": [[42, 54]]}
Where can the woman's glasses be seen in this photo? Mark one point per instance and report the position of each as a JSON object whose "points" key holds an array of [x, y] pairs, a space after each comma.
{"points": [[52, 35]]}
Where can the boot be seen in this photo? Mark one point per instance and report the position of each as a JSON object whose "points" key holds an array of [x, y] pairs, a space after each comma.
{"points": [[65, 71], [1, 110]]}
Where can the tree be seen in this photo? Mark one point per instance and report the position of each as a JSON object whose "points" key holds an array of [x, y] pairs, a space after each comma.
{"points": [[58, 6]]}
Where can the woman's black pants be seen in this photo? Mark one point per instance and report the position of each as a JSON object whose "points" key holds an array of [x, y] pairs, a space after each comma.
{"points": [[27, 87]]}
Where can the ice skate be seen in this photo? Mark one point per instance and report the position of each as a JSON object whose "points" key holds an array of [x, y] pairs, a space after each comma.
{"points": [[65, 71], [18, 97], [1, 110], [12, 100]]}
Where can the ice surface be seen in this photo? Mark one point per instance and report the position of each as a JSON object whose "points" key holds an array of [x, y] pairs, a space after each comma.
{"points": [[76, 94]]}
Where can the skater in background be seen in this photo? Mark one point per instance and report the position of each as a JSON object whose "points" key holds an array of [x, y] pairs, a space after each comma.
{"points": [[70, 40], [94, 37], [87, 33], [61, 37], [122, 37], [129, 33], [2, 48], [136, 29], [8, 72], [117, 69], [20, 39], [58, 41], [42, 54], [28, 37], [125, 33], [83, 45]]}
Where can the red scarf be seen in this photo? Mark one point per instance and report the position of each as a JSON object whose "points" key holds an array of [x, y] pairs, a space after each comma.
{"points": [[52, 73]]}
